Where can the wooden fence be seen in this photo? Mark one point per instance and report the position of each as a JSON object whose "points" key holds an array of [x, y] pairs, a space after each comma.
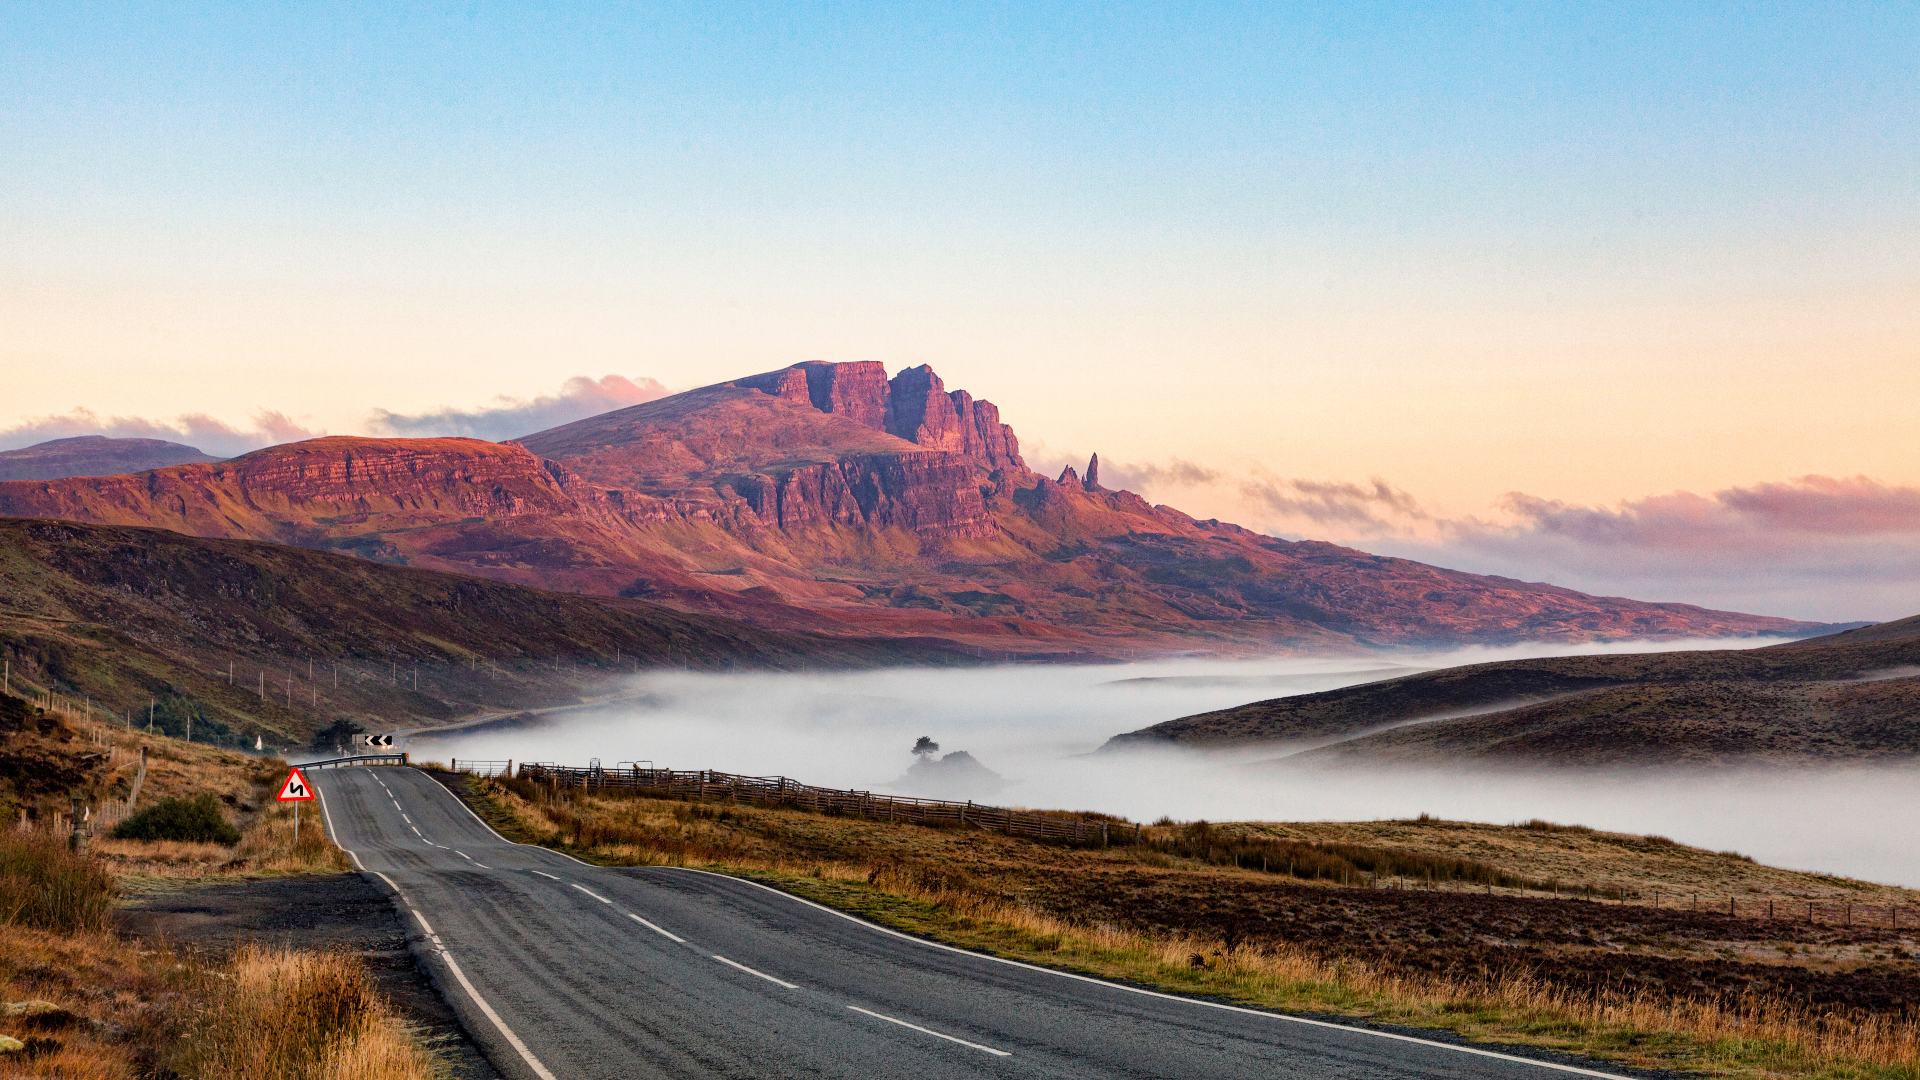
{"points": [[781, 791]]}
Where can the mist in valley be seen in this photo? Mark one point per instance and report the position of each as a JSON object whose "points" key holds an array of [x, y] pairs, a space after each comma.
{"points": [[1040, 729]]}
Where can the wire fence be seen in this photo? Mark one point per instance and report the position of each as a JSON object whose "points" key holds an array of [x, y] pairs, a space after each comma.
{"points": [[706, 784]]}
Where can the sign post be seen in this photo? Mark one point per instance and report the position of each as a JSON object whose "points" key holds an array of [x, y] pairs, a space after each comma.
{"points": [[296, 790]]}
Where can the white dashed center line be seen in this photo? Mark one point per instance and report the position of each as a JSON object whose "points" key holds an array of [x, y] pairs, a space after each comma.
{"points": [[662, 931], [929, 1031], [763, 975]]}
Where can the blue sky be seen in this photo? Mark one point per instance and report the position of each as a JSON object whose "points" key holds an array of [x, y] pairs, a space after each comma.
{"points": [[1593, 252]]}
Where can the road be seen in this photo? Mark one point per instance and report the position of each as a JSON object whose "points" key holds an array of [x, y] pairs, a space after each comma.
{"points": [[561, 970]]}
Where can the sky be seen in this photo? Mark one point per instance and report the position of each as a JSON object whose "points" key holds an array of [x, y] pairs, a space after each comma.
{"points": [[1625, 296]]}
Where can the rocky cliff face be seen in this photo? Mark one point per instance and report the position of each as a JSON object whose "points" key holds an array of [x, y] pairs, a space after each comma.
{"points": [[913, 405], [832, 497], [331, 485], [931, 495]]}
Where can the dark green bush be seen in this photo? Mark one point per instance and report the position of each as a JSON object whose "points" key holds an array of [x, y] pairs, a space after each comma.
{"points": [[196, 820]]}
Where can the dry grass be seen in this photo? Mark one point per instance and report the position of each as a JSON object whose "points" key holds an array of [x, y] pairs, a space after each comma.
{"points": [[1579, 858], [114, 1009], [44, 885], [1004, 895], [117, 1010], [284, 1014]]}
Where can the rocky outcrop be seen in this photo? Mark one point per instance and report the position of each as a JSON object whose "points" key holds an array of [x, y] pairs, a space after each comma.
{"points": [[913, 405], [835, 498], [331, 483], [932, 495]]}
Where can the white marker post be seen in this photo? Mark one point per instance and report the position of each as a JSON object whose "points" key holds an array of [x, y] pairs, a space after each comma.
{"points": [[296, 791]]}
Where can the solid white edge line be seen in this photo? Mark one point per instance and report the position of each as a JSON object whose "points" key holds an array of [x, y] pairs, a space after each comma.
{"points": [[928, 1031], [1077, 977], [661, 930], [1551, 1066], [440, 947], [760, 974]]}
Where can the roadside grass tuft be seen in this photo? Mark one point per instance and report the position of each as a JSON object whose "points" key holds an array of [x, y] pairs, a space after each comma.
{"points": [[47, 886], [276, 1013]]}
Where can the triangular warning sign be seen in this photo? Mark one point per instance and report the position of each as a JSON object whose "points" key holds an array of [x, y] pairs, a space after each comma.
{"points": [[296, 789]]}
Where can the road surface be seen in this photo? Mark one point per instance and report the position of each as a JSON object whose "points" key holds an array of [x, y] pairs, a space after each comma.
{"points": [[561, 970]]}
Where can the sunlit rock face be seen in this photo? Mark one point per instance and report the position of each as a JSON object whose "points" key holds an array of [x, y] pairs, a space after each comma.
{"points": [[837, 498]]}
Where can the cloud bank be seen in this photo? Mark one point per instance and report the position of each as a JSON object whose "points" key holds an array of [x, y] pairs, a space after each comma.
{"points": [[1815, 547], [1821, 547], [198, 430], [509, 418], [579, 397]]}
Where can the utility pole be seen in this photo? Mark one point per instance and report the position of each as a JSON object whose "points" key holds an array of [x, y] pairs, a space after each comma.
{"points": [[263, 686], [229, 671]]}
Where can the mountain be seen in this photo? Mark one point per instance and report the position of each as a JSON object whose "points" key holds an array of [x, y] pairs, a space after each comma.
{"points": [[94, 455], [1852, 696], [123, 617], [832, 498]]}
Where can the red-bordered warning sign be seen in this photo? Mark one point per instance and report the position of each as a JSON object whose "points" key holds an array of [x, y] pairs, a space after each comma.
{"points": [[296, 789]]}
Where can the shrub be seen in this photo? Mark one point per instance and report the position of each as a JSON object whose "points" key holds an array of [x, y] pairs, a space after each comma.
{"points": [[196, 820], [44, 885]]}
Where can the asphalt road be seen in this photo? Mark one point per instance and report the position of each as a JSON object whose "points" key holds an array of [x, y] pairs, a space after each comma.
{"points": [[562, 970]]}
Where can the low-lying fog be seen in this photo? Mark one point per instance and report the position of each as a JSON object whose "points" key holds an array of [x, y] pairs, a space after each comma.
{"points": [[1038, 728]]}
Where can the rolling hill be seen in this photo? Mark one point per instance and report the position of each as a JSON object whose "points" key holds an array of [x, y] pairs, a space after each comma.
{"points": [[1851, 696], [94, 455], [122, 617], [832, 498]]}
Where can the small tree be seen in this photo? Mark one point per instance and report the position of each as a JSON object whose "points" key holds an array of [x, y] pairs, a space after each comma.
{"points": [[924, 746]]}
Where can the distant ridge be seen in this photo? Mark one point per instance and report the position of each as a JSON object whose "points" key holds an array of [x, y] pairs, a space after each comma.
{"points": [[1849, 696], [835, 498], [94, 455]]}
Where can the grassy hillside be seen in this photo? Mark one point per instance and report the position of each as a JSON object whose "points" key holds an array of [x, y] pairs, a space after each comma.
{"points": [[1848, 696], [86, 1003], [123, 618]]}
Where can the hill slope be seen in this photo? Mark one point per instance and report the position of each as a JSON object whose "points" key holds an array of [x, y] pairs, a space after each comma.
{"points": [[94, 455], [125, 617], [830, 497], [1848, 696]]}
